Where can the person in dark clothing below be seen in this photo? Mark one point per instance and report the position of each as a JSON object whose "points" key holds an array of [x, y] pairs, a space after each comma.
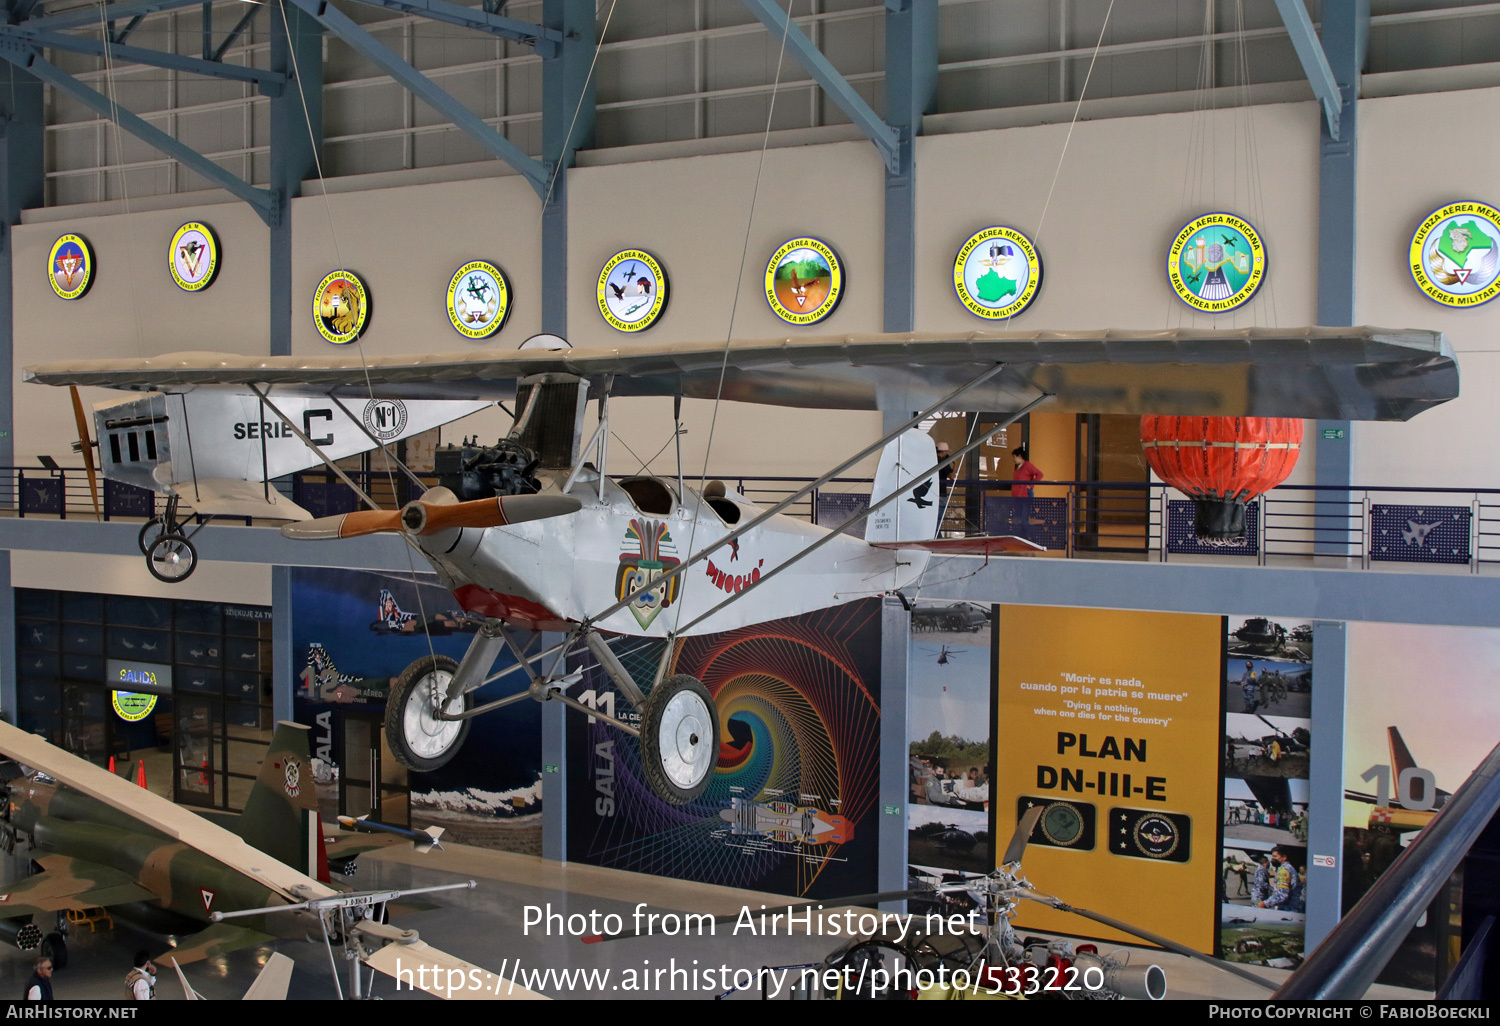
{"points": [[141, 980], [1021, 491], [39, 984]]}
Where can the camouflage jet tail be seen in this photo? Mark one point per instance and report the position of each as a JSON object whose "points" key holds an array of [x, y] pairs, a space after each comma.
{"points": [[280, 816]]}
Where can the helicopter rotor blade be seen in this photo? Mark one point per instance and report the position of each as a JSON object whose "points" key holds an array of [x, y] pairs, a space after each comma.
{"points": [[1145, 935], [1017, 846]]}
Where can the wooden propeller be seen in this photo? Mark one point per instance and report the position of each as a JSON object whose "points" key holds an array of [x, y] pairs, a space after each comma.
{"points": [[421, 518], [86, 446]]}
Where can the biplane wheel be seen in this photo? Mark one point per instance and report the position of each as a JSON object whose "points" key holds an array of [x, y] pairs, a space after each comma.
{"points": [[418, 739], [171, 558], [55, 948], [679, 738], [150, 531]]}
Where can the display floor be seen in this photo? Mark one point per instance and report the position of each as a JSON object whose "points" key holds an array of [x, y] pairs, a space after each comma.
{"points": [[487, 927]]}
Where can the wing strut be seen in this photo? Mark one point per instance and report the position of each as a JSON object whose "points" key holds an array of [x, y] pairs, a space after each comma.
{"points": [[384, 451], [874, 447], [815, 546], [266, 402]]}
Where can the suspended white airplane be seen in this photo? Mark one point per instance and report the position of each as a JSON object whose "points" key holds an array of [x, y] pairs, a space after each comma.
{"points": [[531, 535]]}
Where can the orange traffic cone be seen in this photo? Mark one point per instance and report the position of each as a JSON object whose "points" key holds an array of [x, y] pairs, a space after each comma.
{"points": [[112, 764], [140, 773]]}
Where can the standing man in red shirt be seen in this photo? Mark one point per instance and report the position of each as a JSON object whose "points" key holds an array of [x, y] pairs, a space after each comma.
{"points": [[1021, 491]]}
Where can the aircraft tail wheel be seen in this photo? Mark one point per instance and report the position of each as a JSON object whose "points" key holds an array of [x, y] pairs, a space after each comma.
{"points": [[150, 531], [55, 948], [171, 558], [418, 739], [679, 739]]}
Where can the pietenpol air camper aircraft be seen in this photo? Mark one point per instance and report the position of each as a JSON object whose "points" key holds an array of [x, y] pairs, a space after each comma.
{"points": [[535, 537]]}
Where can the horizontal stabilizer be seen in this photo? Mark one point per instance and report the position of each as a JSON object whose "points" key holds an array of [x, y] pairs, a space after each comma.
{"points": [[444, 975], [963, 546], [227, 497]]}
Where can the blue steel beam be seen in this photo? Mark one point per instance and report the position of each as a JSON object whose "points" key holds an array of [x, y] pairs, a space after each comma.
{"points": [[234, 33], [547, 42], [426, 90], [270, 82], [911, 70], [88, 15], [262, 201], [124, 33], [296, 142], [1314, 61], [886, 139]]}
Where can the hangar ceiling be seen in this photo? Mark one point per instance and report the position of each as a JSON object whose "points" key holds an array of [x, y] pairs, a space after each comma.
{"points": [[676, 71]]}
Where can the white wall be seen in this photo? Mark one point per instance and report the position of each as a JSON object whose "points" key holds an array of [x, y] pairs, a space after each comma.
{"points": [[133, 308], [1417, 153]]}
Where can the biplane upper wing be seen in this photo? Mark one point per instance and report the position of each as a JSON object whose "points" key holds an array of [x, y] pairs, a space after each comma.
{"points": [[1332, 373]]}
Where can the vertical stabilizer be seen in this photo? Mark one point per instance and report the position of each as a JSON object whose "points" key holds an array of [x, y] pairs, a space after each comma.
{"points": [[1400, 756], [276, 816], [913, 517]]}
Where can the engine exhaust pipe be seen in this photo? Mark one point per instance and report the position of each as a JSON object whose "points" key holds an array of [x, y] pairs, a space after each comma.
{"points": [[1138, 982]]}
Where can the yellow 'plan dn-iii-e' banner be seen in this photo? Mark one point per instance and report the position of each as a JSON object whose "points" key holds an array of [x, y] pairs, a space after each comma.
{"points": [[1109, 720]]}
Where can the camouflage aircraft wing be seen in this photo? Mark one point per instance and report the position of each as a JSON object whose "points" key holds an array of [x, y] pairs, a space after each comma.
{"points": [[70, 883], [1334, 373], [157, 812]]}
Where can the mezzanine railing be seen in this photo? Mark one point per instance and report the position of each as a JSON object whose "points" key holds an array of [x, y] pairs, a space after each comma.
{"points": [[1078, 519]]}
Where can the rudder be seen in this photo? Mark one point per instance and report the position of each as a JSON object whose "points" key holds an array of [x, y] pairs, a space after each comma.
{"points": [[913, 517]]}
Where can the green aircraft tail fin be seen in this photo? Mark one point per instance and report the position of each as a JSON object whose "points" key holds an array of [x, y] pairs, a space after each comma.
{"points": [[276, 817]]}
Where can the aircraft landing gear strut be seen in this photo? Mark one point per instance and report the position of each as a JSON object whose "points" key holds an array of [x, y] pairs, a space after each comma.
{"points": [[428, 713]]}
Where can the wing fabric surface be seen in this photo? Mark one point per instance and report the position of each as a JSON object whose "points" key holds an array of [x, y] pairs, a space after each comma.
{"points": [[157, 812], [966, 546], [1334, 373]]}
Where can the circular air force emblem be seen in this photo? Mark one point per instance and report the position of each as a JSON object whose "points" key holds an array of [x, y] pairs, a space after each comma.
{"points": [[997, 273], [194, 257], [1455, 254], [478, 299], [341, 306], [804, 281], [632, 290], [1216, 263], [132, 706], [70, 267], [1156, 837], [385, 418]]}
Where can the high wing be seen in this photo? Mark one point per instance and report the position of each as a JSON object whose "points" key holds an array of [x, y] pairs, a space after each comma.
{"points": [[1333, 373], [157, 812]]}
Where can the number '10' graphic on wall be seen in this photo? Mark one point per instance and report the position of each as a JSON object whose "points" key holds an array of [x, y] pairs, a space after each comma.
{"points": [[1416, 788]]}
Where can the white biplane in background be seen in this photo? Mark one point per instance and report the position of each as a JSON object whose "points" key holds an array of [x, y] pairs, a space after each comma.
{"points": [[532, 535]]}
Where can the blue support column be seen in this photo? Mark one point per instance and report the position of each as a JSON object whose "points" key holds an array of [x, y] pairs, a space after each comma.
{"points": [[554, 771], [910, 83], [895, 788], [283, 665], [22, 185], [1345, 30], [1325, 835], [567, 125], [298, 54]]}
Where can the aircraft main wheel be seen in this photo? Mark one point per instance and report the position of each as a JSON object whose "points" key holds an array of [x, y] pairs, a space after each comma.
{"points": [[55, 948], [679, 738], [418, 739], [171, 558], [150, 531]]}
